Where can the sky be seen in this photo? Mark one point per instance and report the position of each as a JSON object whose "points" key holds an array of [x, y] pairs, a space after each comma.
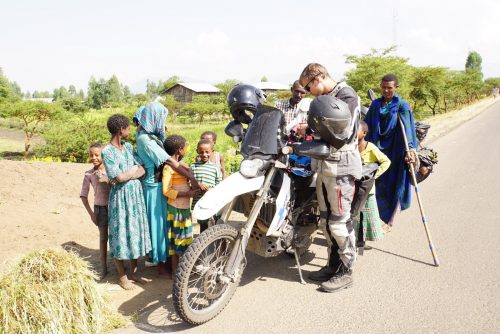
{"points": [[47, 44]]}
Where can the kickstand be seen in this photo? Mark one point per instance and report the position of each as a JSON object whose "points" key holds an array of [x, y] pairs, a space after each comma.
{"points": [[298, 266]]}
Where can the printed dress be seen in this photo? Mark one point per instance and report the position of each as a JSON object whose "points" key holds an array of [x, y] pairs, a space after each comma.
{"points": [[128, 224]]}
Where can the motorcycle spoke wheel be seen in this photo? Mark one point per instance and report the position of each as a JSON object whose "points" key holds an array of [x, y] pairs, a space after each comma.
{"points": [[201, 289]]}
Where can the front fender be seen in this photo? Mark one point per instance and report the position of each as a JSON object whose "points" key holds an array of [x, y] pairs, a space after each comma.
{"points": [[223, 193]]}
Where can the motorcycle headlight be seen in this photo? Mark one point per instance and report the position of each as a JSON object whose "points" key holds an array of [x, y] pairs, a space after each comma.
{"points": [[251, 168]]}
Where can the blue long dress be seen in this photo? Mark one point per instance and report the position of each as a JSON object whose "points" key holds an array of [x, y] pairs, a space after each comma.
{"points": [[394, 186], [128, 225], [153, 156]]}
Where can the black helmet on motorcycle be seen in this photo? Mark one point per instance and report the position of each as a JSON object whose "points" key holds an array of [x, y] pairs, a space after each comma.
{"points": [[330, 118], [243, 101]]}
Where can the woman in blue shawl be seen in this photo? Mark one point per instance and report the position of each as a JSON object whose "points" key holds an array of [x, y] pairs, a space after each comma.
{"points": [[150, 121], [393, 188]]}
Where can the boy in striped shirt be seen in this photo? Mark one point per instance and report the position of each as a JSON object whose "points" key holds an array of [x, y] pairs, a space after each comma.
{"points": [[206, 173]]}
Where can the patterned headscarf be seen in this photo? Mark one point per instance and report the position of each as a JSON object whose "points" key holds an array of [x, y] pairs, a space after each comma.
{"points": [[152, 118]]}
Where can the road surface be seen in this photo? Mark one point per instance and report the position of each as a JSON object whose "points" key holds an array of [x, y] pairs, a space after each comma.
{"points": [[396, 289]]}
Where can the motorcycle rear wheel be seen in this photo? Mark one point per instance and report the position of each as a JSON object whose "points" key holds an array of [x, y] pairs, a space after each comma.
{"points": [[200, 293]]}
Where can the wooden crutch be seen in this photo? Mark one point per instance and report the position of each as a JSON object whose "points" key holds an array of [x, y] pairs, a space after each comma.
{"points": [[417, 192]]}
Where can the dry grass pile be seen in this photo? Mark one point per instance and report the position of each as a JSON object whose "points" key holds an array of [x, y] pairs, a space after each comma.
{"points": [[53, 291]]}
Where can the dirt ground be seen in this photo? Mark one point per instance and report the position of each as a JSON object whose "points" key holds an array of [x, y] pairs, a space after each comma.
{"points": [[40, 207]]}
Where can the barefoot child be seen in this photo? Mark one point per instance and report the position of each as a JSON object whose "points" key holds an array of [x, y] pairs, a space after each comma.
{"points": [[99, 216], [206, 173], [179, 193], [215, 157], [369, 216], [128, 223]]}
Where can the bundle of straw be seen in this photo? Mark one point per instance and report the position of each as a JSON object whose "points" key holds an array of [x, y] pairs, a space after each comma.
{"points": [[53, 291]]}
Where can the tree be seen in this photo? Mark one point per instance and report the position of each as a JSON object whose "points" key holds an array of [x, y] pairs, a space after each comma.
{"points": [[32, 113], [6, 93], [473, 61], [371, 67], [202, 106], [171, 82], [225, 87], [16, 90], [151, 88], [428, 87], [73, 104], [127, 95], [113, 90], [72, 91], [263, 79], [97, 94], [60, 93], [81, 95], [489, 84], [173, 106]]}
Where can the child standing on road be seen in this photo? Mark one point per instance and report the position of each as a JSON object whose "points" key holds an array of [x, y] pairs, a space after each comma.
{"points": [[215, 157], [99, 216], [206, 173], [179, 193], [369, 217], [128, 223]]}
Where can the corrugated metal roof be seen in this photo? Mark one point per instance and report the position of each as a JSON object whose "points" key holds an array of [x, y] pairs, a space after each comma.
{"points": [[271, 85], [199, 87]]}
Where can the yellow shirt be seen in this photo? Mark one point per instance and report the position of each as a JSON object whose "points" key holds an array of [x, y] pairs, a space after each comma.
{"points": [[372, 154], [172, 183]]}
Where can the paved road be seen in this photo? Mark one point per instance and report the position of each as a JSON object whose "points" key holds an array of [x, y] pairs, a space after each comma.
{"points": [[397, 289]]}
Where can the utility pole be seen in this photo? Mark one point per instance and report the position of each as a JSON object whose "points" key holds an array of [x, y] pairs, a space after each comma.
{"points": [[394, 27]]}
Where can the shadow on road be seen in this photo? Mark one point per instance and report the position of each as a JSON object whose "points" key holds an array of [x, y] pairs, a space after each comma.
{"points": [[403, 257]]}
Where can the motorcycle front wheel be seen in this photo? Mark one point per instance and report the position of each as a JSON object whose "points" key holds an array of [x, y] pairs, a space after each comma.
{"points": [[201, 288]]}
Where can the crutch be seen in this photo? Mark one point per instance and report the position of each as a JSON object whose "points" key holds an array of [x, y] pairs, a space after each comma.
{"points": [[417, 192]]}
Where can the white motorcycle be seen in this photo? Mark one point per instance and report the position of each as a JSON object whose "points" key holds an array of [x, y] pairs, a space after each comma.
{"points": [[278, 200]]}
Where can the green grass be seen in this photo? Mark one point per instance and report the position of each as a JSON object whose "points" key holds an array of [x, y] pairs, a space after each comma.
{"points": [[224, 144], [11, 145]]}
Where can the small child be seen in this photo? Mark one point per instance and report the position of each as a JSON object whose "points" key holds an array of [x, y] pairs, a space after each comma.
{"points": [[178, 192], [206, 173], [369, 216], [99, 216], [215, 157]]}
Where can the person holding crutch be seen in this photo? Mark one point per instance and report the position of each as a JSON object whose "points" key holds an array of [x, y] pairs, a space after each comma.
{"points": [[394, 186]]}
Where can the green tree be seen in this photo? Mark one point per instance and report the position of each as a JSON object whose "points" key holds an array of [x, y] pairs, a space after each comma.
{"points": [[97, 93], [489, 84], [6, 93], [32, 114], [202, 106], [113, 91], [139, 99], [474, 61], [370, 68], [73, 104], [225, 87], [81, 95], [173, 106], [16, 90], [69, 139], [72, 91], [171, 82], [428, 87], [60, 93], [127, 95], [263, 79]]}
